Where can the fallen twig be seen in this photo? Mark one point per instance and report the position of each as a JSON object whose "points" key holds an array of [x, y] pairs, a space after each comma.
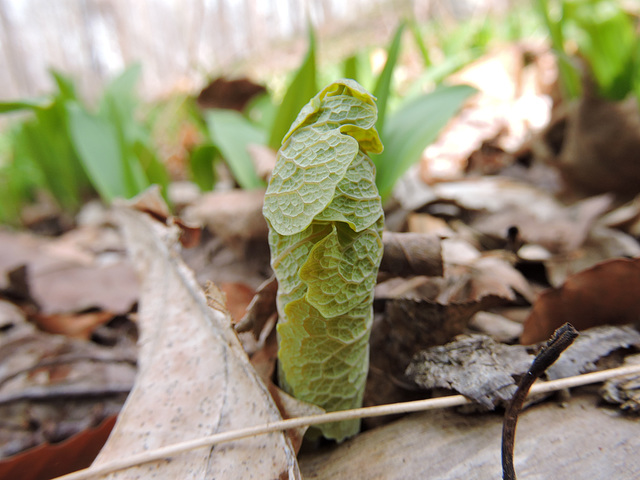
{"points": [[558, 343]]}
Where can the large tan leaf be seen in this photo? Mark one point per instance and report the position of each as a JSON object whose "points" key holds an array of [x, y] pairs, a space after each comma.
{"points": [[195, 380]]}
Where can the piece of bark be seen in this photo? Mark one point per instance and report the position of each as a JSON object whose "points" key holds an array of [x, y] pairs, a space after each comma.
{"points": [[474, 365], [591, 346]]}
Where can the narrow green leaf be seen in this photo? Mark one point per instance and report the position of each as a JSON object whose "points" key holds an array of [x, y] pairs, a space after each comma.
{"points": [[66, 87], [411, 129], [382, 90], [26, 104], [96, 143], [232, 134], [350, 67], [153, 169], [47, 144], [201, 163], [302, 88], [568, 75], [417, 36]]}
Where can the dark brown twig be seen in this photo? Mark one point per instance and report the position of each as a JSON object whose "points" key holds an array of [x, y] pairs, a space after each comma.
{"points": [[559, 342]]}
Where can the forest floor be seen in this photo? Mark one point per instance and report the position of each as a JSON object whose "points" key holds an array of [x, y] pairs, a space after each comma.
{"points": [[524, 215]]}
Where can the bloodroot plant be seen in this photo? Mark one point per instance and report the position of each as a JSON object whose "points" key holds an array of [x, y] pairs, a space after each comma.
{"points": [[325, 233]]}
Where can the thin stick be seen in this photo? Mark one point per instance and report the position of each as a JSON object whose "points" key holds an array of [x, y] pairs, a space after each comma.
{"points": [[558, 343], [377, 411]]}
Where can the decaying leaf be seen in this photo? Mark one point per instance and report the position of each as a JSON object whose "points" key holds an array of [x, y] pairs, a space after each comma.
{"points": [[195, 379], [229, 93], [474, 365], [601, 244], [624, 391], [61, 276], [261, 308], [604, 294], [600, 141], [235, 215], [550, 224], [54, 386], [51, 460]]}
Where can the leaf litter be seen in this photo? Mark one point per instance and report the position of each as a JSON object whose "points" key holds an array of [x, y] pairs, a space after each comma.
{"points": [[499, 249]]}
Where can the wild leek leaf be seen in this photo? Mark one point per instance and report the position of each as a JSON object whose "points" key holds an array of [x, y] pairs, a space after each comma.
{"points": [[302, 87], [325, 225], [96, 142], [231, 133], [412, 128], [382, 89]]}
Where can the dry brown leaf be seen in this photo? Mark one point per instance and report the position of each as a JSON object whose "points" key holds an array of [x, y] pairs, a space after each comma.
{"points": [[555, 227], [261, 308], [604, 294], [53, 386], [598, 151], [235, 215], [64, 276], [76, 325], [231, 94], [51, 460], [601, 244], [509, 104], [195, 379]]}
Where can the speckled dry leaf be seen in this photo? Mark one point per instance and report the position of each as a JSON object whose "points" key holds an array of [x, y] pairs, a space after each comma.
{"points": [[195, 379]]}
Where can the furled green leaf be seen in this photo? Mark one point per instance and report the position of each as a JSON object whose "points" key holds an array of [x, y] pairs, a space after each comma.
{"points": [[302, 87], [325, 226], [412, 128], [232, 134]]}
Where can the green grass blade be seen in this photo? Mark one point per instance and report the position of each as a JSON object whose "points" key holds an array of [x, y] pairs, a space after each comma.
{"points": [[302, 88], [411, 129]]}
